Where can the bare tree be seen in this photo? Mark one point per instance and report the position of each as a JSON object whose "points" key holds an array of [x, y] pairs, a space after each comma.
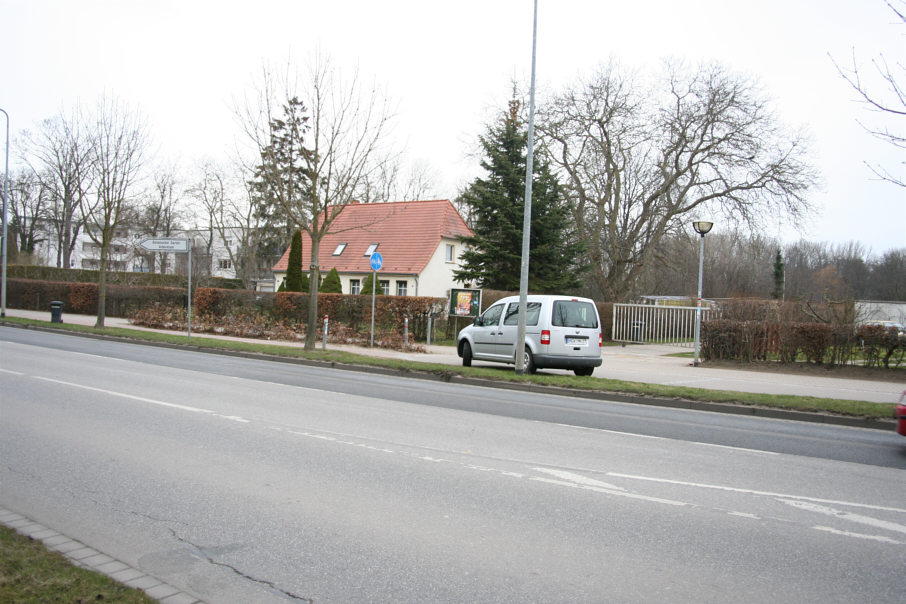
{"points": [[59, 155], [229, 214], [889, 97], [160, 214], [318, 155], [118, 139], [28, 206], [637, 162]]}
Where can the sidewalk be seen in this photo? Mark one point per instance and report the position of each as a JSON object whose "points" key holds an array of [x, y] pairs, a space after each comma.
{"points": [[635, 363]]}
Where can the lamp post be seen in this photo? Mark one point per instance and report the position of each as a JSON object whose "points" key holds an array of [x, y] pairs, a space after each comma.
{"points": [[701, 227], [5, 230]]}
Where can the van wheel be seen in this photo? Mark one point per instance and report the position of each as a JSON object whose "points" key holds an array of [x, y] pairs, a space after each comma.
{"points": [[584, 371], [466, 355], [529, 362]]}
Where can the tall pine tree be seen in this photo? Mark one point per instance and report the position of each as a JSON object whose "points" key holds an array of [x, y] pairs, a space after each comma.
{"points": [[496, 205]]}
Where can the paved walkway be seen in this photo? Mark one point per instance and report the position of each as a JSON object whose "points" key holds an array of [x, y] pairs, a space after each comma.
{"points": [[650, 364]]}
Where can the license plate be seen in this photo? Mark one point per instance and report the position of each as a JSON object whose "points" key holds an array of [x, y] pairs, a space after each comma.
{"points": [[576, 341]]}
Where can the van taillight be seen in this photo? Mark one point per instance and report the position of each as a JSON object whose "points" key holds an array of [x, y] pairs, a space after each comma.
{"points": [[545, 336], [600, 339]]}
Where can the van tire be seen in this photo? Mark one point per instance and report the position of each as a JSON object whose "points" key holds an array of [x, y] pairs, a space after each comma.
{"points": [[584, 371], [529, 362], [466, 355]]}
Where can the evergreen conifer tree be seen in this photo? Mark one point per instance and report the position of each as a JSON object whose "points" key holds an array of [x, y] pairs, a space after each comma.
{"points": [[293, 281], [331, 283], [367, 285], [779, 277], [496, 205]]}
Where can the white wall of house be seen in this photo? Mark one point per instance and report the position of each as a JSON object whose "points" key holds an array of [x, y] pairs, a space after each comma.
{"points": [[435, 280]]}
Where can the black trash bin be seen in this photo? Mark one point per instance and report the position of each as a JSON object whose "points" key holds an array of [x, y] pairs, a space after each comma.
{"points": [[56, 312], [638, 330]]}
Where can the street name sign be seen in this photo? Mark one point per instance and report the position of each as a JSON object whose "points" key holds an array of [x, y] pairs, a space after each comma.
{"points": [[166, 244]]}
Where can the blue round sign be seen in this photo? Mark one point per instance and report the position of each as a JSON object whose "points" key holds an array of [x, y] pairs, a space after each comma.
{"points": [[376, 261]]}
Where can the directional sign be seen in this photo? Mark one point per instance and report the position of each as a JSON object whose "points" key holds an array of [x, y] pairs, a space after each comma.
{"points": [[168, 244], [377, 261]]}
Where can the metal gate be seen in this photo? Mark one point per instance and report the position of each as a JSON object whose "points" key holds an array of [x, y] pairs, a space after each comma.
{"points": [[650, 324]]}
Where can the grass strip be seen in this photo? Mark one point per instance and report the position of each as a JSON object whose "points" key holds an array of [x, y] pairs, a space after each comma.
{"points": [[30, 573], [853, 408]]}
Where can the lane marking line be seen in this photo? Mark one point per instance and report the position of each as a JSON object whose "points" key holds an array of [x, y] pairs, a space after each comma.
{"points": [[579, 479], [755, 492], [880, 538], [848, 516]]}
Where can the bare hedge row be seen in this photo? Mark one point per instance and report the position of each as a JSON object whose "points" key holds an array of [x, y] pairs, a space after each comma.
{"points": [[819, 343]]}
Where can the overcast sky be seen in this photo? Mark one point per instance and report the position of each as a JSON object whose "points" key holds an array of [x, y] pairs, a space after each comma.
{"points": [[449, 67]]}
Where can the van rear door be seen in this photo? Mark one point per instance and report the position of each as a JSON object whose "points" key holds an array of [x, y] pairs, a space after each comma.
{"points": [[574, 328]]}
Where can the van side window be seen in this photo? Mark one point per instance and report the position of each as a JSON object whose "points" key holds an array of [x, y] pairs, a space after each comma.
{"points": [[571, 313], [491, 316], [532, 312]]}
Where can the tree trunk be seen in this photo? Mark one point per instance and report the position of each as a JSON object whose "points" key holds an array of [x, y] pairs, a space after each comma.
{"points": [[311, 331], [102, 288]]}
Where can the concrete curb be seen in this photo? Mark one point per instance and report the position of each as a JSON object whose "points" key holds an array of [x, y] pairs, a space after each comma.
{"points": [[83, 556], [452, 377]]}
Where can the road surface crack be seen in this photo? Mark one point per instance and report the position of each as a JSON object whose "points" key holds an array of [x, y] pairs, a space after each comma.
{"points": [[269, 584]]}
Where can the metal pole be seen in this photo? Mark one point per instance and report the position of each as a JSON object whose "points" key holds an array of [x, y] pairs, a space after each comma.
{"points": [[698, 308], [373, 290], [324, 341], [5, 220], [189, 308], [527, 212]]}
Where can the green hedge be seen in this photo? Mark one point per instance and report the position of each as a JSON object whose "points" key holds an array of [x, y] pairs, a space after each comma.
{"points": [[78, 275], [82, 298]]}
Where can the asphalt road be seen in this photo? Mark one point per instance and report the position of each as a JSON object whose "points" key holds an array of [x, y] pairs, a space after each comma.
{"points": [[241, 480]]}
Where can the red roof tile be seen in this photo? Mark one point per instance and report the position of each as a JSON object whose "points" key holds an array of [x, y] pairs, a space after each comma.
{"points": [[407, 232]]}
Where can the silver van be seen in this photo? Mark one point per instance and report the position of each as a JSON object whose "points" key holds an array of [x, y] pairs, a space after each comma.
{"points": [[561, 332]]}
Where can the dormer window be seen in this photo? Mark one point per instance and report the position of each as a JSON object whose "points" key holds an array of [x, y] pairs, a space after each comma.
{"points": [[339, 250], [371, 249]]}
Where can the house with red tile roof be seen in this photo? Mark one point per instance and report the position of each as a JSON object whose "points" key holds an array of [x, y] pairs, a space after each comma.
{"points": [[418, 241]]}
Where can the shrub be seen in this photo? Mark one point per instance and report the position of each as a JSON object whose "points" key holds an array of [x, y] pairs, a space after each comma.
{"points": [[331, 284]]}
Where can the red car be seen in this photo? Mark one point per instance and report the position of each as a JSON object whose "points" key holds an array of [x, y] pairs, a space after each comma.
{"points": [[900, 414]]}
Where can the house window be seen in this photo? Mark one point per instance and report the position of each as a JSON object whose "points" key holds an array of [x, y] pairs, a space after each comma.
{"points": [[372, 249], [225, 264], [385, 287], [450, 255], [339, 250], [355, 287], [401, 288]]}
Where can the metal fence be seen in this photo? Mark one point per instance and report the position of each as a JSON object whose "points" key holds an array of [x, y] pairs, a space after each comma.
{"points": [[650, 324]]}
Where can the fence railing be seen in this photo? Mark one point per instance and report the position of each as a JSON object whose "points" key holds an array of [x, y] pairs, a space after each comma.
{"points": [[647, 323]]}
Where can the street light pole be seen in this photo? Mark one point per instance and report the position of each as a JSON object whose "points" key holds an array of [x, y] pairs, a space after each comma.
{"points": [[527, 212], [5, 229], [701, 227]]}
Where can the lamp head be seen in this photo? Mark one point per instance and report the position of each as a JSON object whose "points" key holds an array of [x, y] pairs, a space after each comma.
{"points": [[701, 227]]}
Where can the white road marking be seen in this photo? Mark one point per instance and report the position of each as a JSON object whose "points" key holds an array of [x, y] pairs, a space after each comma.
{"points": [[745, 515], [880, 538], [579, 479], [755, 492], [848, 516], [575, 485], [130, 396], [12, 372]]}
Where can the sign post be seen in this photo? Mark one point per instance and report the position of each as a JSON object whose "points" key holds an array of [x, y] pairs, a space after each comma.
{"points": [[377, 261], [177, 246]]}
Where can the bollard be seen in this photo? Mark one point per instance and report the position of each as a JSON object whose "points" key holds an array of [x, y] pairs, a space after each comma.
{"points": [[406, 332], [324, 341], [56, 312], [430, 321]]}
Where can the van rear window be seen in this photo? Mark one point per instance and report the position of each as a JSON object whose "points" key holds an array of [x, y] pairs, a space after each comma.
{"points": [[572, 313]]}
